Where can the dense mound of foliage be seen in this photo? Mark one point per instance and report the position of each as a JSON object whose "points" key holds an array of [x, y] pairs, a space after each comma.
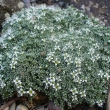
{"points": [[60, 52]]}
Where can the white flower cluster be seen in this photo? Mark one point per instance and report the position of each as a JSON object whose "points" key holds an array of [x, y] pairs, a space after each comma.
{"points": [[83, 93], [2, 84], [78, 62], [68, 58], [76, 76], [12, 21], [75, 92], [21, 91], [14, 57], [54, 39], [42, 28], [53, 81], [100, 103], [105, 75], [51, 57], [68, 46]]}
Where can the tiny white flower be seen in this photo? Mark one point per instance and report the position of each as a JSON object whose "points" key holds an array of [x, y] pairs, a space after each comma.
{"points": [[16, 81], [15, 48], [56, 61], [52, 75], [100, 103], [2, 85], [21, 92], [74, 91], [84, 79], [91, 51], [59, 27], [52, 83], [44, 40], [19, 84], [57, 18], [66, 55], [101, 73], [35, 27], [9, 55], [71, 29], [93, 59], [52, 78], [46, 82], [43, 27], [74, 97], [30, 92], [49, 58], [65, 48], [69, 45], [14, 61], [57, 87], [77, 60], [57, 47], [69, 61], [97, 56], [107, 76], [12, 65], [73, 74], [96, 45], [83, 93], [51, 54]]}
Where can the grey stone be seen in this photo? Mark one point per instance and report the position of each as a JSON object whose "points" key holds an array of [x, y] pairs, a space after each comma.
{"points": [[13, 106], [7, 108], [21, 107], [27, 3], [42, 108], [8, 6], [108, 99], [33, 0], [20, 5], [91, 108]]}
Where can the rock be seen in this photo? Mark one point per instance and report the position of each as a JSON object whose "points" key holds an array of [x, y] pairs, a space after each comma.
{"points": [[45, 108], [13, 106], [91, 3], [7, 15], [83, 7], [7, 108], [61, 4], [42, 108], [51, 106], [32, 0], [96, 6], [27, 3], [21, 107], [88, 8], [34, 4], [108, 99], [20, 5], [91, 108], [7, 7]]}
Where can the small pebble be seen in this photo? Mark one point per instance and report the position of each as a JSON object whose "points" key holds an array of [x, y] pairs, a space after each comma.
{"points": [[20, 5], [21, 107], [7, 108], [7, 15]]}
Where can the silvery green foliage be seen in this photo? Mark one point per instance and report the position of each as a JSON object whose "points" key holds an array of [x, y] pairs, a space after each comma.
{"points": [[60, 52]]}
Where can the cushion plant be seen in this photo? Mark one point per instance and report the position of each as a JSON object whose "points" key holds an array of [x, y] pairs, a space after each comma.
{"points": [[61, 52]]}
